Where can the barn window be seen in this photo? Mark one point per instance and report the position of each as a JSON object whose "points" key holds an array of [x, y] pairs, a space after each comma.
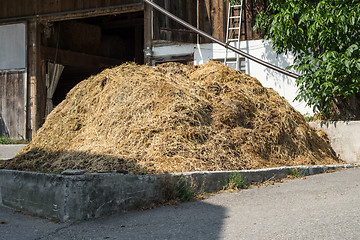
{"points": [[12, 46]]}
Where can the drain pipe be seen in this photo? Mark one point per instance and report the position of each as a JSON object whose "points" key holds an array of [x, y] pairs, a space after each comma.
{"points": [[234, 49]]}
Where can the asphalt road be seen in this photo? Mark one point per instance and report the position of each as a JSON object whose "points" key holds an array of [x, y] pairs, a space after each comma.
{"points": [[325, 206]]}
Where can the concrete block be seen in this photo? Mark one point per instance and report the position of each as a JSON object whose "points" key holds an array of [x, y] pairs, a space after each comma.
{"points": [[41, 194], [344, 137]]}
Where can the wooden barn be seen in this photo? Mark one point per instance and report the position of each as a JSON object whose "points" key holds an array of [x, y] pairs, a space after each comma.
{"points": [[48, 46]]}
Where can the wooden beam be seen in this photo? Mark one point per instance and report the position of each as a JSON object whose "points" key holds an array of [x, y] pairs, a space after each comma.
{"points": [[148, 32], [57, 15], [34, 74], [76, 59], [198, 20], [218, 19], [167, 20]]}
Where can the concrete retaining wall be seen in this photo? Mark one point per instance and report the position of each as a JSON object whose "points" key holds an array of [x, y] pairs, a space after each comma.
{"points": [[85, 196], [344, 138]]}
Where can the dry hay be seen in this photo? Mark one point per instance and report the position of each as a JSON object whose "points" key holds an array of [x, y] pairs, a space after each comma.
{"points": [[172, 118]]}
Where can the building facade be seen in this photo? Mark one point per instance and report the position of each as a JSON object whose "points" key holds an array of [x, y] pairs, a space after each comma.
{"points": [[48, 46]]}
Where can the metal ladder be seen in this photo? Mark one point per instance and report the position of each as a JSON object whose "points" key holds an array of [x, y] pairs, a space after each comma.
{"points": [[233, 31]]}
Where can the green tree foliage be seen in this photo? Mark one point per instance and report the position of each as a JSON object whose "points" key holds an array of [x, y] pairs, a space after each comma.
{"points": [[324, 36]]}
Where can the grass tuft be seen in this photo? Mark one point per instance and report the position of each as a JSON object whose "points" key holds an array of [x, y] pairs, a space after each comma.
{"points": [[6, 140], [294, 173], [236, 182]]}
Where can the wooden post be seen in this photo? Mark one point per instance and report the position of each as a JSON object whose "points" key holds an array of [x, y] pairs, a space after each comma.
{"points": [[248, 6], [167, 21], [198, 20], [33, 73], [148, 33], [218, 18]]}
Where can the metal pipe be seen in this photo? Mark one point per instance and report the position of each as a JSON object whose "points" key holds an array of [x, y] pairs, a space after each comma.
{"points": [[204, 34]]}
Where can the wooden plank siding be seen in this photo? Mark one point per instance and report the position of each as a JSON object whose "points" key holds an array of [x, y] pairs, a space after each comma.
{"points": [[212, 20], [168, 30], [21, 8], [250, 11], [12, 103]]}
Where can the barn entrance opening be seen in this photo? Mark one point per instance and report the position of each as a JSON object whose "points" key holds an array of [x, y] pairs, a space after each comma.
{"points": [[89, 45]]}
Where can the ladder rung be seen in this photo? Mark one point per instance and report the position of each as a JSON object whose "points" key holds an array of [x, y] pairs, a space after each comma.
{"points": [[235, 17], [233, 28], [236, 6]]}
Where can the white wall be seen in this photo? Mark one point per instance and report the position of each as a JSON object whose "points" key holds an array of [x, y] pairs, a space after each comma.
{"points": [[173, 50], [284, 85]]}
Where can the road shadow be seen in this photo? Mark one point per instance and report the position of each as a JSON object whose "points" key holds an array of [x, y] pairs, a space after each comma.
{"points": [[191, 220]]}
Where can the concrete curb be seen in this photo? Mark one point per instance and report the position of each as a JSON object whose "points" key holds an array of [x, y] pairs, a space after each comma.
{"points": [[84, 196]]}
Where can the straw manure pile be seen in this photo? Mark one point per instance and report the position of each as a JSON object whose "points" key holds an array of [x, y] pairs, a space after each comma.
{"points": [[172, 118]]}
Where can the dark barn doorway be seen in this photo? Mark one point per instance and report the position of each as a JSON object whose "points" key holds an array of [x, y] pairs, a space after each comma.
{"points": [[87, 46]]}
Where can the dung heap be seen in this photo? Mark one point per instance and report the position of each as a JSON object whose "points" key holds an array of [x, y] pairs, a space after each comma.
{"points": [[172, 118]]}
